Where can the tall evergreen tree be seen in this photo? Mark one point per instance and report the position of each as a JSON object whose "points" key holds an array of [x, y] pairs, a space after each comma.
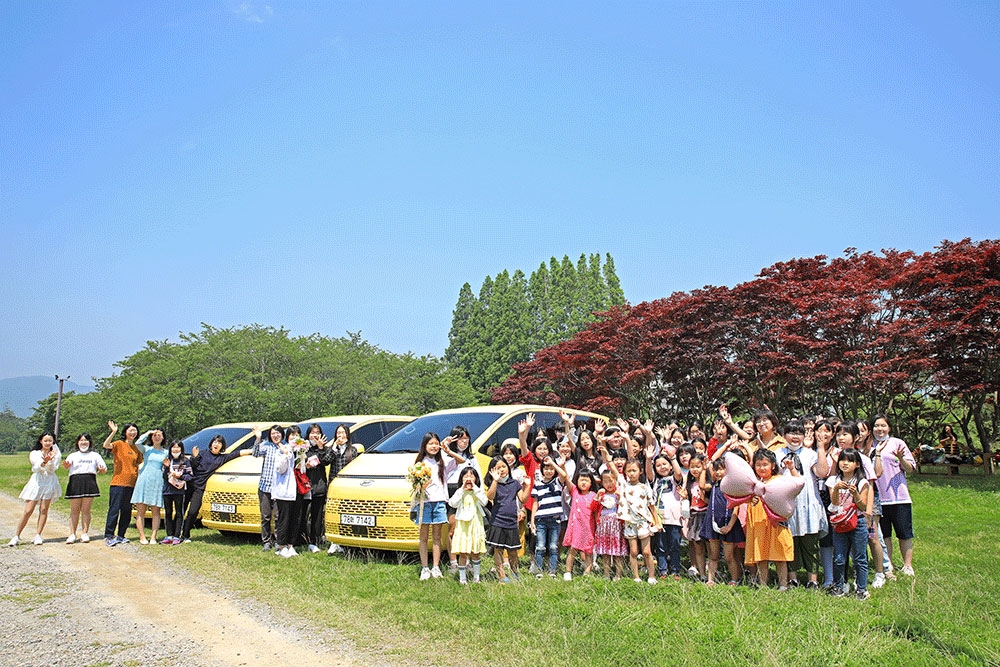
{"points": [[515, 316]]}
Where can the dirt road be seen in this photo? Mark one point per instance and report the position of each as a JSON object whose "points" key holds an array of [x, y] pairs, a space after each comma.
{"points": [[90, 605]]}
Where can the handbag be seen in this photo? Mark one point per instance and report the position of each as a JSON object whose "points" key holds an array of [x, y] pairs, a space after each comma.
{"points": [[302, 485], [845, 520]]}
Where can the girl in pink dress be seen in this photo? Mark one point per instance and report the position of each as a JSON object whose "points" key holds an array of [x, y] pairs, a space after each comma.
{"points": [[582, 522]]}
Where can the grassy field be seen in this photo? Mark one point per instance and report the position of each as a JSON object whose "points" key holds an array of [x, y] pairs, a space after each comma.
{"points": [[948, 614]]}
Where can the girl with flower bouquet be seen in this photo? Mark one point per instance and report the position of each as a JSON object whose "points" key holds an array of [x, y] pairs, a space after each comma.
{"points": [[430, 497], [303, 487]]}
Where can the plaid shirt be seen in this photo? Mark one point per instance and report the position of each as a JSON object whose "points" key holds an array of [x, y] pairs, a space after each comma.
{"points": [[338, 460], [270, 452]]}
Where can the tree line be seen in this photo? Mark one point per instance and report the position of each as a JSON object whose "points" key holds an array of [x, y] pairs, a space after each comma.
{"points": [[915, 334], [255, 373], [514, 316]]}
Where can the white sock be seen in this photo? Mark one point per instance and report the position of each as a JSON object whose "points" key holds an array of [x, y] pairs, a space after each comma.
{"points": [[475, 570], [461, 574]]}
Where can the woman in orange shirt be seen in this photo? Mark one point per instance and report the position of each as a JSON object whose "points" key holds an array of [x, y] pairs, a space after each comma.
{"points": [[127, 457]]}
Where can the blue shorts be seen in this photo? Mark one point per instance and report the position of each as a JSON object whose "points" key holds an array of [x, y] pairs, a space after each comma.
{"points": [[435, 511]]}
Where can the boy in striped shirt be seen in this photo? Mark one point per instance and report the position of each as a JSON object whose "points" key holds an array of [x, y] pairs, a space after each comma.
{"points": [[547, 517]]}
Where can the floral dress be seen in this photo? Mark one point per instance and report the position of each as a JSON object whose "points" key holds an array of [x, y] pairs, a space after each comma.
{"points": [[610, 533]]}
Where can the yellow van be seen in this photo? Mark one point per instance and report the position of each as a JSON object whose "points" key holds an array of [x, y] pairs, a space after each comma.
{"points": [[368, 504], [231, 502]]}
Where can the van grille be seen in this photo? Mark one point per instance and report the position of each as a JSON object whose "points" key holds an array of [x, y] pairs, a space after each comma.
{"points": [[230, 498], [381, 509]]}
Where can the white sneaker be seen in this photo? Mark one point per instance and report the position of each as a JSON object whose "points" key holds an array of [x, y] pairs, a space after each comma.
{"points": [[693, 572], [71, 539], [651, 581], [436, 572], [85, 538], [283, 552], [38, 540], [567, 576], [14, 541], [879, 580], [533, 569], [453, 567], [425, 573], [907, 570], [292, 552], [638, 580], [313, 549]]}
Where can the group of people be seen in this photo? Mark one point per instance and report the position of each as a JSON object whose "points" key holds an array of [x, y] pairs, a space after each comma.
{"points": [[153, 476], [805, 498]]}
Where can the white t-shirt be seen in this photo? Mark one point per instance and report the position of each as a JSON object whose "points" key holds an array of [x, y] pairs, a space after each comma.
{"points": [[436, 491], [85, 463]]}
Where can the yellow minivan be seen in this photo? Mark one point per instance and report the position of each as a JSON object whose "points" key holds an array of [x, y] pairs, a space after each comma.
{"points": [[231, 502], [368, 504]]}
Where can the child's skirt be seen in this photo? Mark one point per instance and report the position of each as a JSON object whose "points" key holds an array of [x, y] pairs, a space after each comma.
{"points": [[501, 538], [692, 531], [470, 538], [610, 538]]}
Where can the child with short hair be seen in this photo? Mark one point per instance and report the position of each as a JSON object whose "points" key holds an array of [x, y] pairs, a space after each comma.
{"points": [[547, 518], [469, 539]]}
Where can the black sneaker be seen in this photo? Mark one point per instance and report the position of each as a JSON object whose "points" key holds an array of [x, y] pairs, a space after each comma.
{"points": [[838, 591], [864, 595], [812, 585]]}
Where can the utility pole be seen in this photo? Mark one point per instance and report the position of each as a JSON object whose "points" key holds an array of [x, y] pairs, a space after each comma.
{"points": [[59, 405]]}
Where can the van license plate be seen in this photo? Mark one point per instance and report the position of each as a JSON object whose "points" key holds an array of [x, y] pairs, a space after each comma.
{"points": [[225, 508], [357, 520]]}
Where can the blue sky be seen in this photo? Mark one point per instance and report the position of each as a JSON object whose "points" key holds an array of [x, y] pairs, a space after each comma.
{"points": [[333, 167]]}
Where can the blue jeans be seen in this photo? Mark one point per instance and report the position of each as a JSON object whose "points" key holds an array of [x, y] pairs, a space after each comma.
{"points": [[547, 536], [854, 543], [119, 510], [667, 544]]}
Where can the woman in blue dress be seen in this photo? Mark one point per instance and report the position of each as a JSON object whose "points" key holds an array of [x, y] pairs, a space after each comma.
{"points": [[149, 486]]}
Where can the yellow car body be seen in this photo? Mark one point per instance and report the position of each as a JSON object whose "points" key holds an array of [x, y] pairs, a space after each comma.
{"points": [[368, 503], [231, 502]]}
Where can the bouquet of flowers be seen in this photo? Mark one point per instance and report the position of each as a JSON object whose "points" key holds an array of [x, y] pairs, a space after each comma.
{"points": [[299, 449], [419, 475]]}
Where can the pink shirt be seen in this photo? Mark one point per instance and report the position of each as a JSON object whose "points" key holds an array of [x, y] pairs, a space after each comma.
{"points": [[892, 489]]}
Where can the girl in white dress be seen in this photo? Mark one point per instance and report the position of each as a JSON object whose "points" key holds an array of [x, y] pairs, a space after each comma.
{"points": [[42, 487]]}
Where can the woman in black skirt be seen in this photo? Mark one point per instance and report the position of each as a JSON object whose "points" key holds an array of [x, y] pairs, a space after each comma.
{"points": [[83, 466]]}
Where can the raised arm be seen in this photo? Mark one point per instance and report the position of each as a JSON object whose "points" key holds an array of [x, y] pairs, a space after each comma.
{"points": [[523, 427], [724, 413], [111, 438]]}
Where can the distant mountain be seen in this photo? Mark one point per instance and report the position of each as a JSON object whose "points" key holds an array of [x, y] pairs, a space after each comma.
{"points": [[22, 394]]}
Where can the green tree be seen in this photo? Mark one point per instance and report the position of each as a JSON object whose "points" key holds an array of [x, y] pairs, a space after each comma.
{"points": [[257, 373], [13, 432], [515, 316]]}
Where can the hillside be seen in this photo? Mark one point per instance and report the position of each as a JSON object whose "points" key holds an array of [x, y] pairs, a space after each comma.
{"points": [[21, 394]]}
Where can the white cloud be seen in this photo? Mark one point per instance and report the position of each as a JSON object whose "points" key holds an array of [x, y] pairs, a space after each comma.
{"points": [[253, 13]]}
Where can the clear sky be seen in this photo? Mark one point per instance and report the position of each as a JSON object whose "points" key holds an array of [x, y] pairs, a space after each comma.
{"points": [[333, 167]]}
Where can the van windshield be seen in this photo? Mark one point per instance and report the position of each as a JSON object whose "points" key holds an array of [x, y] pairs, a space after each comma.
{"points": [[407, 438]]}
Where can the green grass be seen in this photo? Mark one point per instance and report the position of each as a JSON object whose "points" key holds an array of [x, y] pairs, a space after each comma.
{"points": [[947, 615]]}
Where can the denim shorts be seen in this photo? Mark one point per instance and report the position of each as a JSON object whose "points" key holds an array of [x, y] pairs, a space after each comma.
{"points": [[434, 512]]}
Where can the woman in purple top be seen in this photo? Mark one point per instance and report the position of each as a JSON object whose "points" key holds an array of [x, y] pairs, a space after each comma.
{"points": [[893, 460]]}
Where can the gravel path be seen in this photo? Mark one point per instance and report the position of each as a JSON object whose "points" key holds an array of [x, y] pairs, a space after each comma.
{"points": [[86, 605]]}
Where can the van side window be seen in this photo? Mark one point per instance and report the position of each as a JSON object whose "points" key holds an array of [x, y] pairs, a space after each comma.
{"points": [[508, 429]]}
